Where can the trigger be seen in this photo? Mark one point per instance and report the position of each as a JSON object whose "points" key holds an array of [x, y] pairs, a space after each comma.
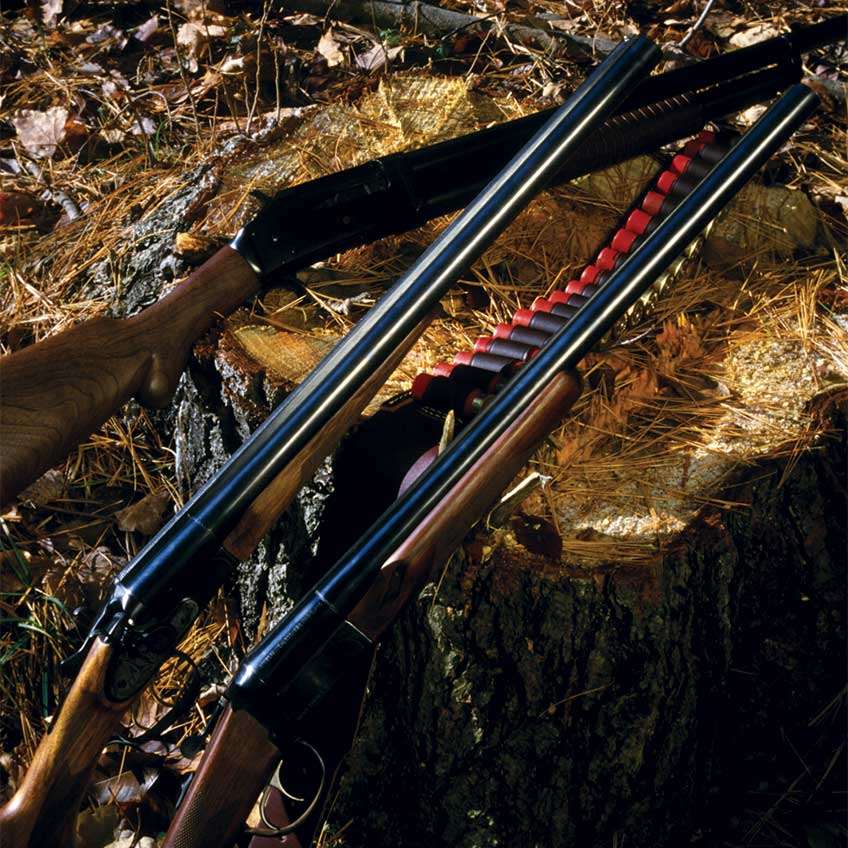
{"points": [[276, 820]]}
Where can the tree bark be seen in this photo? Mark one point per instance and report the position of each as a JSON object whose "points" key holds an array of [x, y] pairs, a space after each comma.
{"points": [[521, 703]]}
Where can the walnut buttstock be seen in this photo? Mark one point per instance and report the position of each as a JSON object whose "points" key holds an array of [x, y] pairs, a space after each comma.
{"points": [[444, 529], [55, 393], [42, 813]]}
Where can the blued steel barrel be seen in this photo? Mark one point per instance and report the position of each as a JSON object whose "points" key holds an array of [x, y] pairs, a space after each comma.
{"points": [[304, 630]]}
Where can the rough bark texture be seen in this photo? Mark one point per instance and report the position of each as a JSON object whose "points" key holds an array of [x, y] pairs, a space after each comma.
{"points": [[519, 704]]}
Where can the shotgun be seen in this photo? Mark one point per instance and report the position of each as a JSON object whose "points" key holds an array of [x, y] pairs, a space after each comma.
{"points": [[307, 663], [158, 595], [58, 391]]}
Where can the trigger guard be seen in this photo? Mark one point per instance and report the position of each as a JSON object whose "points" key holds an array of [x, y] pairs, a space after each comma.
{"points": [[271, 830]]}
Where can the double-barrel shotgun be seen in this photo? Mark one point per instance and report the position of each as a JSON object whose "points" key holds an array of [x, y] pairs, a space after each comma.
{"points": [[293, 687], [154, 600], [55, 393]]}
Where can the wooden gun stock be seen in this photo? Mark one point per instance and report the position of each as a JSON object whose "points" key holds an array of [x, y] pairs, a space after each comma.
{"points": [[55, 393], [42, 813], [241, 757], [444, 529], [236, 767]]}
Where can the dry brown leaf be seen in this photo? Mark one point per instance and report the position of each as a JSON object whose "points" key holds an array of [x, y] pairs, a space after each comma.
{"points": [[96, 827], [376, 57], [756, 33], [50, 11], [330, 49], [194, 35], [147, 29], [98, 565], [41, 132], [47, 488], [123, 789], [145, 516], [16, 207]]}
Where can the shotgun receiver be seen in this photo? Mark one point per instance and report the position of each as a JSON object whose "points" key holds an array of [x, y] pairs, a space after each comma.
{"points": [[157, 596], [306, 660], [56, 392]]}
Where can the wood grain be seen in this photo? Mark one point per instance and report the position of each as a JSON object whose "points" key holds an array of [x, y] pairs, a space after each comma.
{"points": [[42, 813], [57, 392], [236, 766], [444, 528]]}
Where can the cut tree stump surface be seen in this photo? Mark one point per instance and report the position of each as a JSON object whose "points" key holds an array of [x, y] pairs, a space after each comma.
{"points": [[522, 704]]}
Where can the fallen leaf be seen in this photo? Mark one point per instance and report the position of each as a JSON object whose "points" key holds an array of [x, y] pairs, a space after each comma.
{"points": [[537, 534], [123, 789], [147, 29], [98, 566], [41, 132], [303, 19], [330, 49], [108, 32], [376, 57], [143, 126], [96, 827], [232, 65], [722, 24], [19, 208], [50, 11], [113, 136], [193, 36], [47, 488], [76, 133], [145, 516], [756, 33]]}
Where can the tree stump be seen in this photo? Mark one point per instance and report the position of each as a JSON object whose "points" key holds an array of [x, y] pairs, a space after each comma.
{"points": [[522, 702]]}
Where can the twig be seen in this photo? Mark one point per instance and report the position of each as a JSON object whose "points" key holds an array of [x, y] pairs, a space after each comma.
{"points": [[697, 25], [68, 204]]}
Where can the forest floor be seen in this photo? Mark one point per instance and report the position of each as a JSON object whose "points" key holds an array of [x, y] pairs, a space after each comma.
{"points": [[106, 106]]}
